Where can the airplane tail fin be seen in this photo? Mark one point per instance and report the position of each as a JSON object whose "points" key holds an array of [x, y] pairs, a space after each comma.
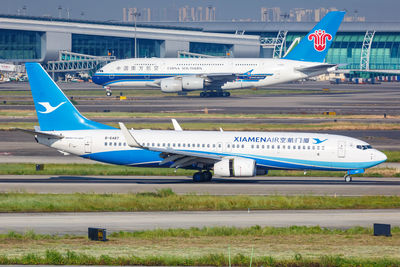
{"points": [[315, 45], [54, 110]]}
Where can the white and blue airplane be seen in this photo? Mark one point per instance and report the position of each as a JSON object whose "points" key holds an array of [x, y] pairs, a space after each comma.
{"points": [[226, 154], [215, 75]]}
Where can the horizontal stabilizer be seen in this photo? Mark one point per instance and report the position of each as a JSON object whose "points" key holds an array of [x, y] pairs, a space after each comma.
{"points": [[45, 135]]}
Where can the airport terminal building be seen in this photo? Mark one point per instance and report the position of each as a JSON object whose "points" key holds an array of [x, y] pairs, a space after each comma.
{"points": [[358, 45]]}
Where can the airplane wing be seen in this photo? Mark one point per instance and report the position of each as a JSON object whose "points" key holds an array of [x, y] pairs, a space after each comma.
{"points": [[213, 80], [322, 68], [179, 159]]}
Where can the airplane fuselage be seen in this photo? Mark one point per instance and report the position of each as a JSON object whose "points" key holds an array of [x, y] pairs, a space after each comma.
{"points": [[250, 72], [269, 150]]}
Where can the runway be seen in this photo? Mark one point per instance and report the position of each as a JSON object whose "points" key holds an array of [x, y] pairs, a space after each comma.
{"points": [[77, 223], [266, 185]]}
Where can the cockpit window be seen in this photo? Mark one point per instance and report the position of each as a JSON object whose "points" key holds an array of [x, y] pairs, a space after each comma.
{"points": [[364, 147]]}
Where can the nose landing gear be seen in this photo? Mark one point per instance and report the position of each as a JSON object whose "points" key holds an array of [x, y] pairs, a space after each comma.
{"points": [[348, 178], [108, 91]]}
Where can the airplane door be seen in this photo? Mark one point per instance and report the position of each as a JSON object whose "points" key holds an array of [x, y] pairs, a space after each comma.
{"points": [[88, 144], [341, 149]]}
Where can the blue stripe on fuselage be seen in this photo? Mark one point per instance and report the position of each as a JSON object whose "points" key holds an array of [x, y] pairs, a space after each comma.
{"points": [[138, 157]]}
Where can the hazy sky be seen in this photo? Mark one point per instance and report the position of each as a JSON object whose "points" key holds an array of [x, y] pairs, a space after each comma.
{"points": [[373, 10]]}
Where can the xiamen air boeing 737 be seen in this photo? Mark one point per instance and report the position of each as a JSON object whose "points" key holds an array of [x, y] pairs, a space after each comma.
{"points": [[219, 153], [215, 75]]}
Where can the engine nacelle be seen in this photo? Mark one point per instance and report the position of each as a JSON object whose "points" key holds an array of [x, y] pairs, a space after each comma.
{"points": [[235, 167], [192, 83], [171, 85]]}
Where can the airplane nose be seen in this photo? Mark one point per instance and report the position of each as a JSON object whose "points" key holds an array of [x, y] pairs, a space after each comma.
{"points": [[379, 156]]}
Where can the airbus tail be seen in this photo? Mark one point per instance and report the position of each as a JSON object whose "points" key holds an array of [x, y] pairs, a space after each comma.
{"points": [[54, 110], [315, 45]]}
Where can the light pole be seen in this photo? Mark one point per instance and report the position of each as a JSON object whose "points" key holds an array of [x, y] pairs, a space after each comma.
{"points": [[135, 15]]}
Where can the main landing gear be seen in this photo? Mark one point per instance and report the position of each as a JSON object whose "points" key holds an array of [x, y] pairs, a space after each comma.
{"points": [[204, 176], [215, 94], [348, 178], [108, 91]]}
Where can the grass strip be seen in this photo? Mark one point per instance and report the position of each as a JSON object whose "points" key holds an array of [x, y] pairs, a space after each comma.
{"points": [[323, 126], [272, 246], [106, 169], [32, 114], [217, 231], [54, 257], [167, 200]]}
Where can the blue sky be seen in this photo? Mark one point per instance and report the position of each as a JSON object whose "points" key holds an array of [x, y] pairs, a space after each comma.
{"points": [[382, 10]]}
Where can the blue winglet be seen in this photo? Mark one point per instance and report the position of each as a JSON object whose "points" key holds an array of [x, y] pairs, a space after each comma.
{"points": [[315, 45], [54, 110]]}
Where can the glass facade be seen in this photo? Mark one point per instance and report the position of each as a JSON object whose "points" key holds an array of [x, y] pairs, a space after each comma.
{"points": [[20, 45], [114, 46], [346, 49], [210, 49]]}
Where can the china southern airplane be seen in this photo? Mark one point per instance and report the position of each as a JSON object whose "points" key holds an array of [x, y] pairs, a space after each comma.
{"points": [[215, 75], [227, 154]]}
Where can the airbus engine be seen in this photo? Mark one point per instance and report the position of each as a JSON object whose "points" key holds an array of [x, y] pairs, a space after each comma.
{"points": [[193, 83], [171, 85], [235, 167]]}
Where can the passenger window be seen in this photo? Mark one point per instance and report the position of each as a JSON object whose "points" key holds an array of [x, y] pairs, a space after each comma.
{"points": [[133, 68], [125, 68], [179, 145], [208, 145], [152, 144], [115, 143], [124, 144], [119, 144], [148, 144], [242, 146], [308, 147], [257, 146], [105, 143], [252, 146], [110, 143], [173, 144], [158, 145], [203, 145], [213, 145], [283, 147], [278, 146], [183, 145], [288, 147], [188, 145]]}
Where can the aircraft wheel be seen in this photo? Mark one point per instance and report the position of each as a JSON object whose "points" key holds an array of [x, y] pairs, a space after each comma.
{"points": [[198, 177], [207, 94], [109, 93], [226, 94], [202, 94], [207, 176], [348, 178]]}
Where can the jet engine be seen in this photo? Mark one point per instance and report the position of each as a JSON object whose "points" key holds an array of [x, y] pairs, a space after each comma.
{"points": [[193, 83], [171, 85], [235, 167]]}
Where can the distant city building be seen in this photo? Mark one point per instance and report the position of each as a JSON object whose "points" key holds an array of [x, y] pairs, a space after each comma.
{"points": [[182, 14], [274, 14]]}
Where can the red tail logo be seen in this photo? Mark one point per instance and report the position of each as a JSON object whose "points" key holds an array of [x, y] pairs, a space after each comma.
{"points": [[320, 37]]}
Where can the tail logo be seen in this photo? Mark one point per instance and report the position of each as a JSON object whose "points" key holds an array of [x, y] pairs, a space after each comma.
{"points": [[48, 107], [320, 37]]}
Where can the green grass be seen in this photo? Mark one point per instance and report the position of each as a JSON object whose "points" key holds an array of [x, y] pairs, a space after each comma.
{"points": [[53, 257], [208, 246], [106, 169], [32, 113], [207, 126], [169, 201]]}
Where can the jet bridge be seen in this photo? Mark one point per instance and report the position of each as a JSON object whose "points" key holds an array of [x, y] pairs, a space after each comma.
{"points": [[75, 62]]}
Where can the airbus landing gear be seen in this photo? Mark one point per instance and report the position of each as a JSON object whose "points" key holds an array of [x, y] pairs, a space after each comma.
{"points": [[108, 91], [204, 176], [215, 94], [348, 178]]}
